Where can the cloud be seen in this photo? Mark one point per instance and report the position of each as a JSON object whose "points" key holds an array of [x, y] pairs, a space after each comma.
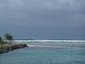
{"points": [[43, 15], [44, 4], [41, 9]]}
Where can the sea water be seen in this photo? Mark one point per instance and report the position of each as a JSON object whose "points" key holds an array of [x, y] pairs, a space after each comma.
{"points": [[47, 52]]}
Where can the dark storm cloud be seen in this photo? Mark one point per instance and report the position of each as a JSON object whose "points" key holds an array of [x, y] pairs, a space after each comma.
{"points": [[62, 19]]}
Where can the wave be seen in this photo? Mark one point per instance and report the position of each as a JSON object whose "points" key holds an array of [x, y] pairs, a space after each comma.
{"points": [[58, 47], [47, 46], [40, 46], [51, 41]]}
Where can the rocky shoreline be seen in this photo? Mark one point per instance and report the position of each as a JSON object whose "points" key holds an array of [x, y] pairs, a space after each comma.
{"points": [[9, 47]]}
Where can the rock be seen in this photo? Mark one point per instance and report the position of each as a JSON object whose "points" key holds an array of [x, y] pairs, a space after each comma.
{"points": [[9, 47]]}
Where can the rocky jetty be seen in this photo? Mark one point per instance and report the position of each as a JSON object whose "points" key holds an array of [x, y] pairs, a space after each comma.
{"points": [[9, 47]]}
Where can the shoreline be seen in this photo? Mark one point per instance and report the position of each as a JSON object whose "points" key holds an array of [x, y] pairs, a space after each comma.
{"points": [[10, 47]]}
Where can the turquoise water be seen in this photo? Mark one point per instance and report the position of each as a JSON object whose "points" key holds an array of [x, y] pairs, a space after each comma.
{"points": [[44, 55]]}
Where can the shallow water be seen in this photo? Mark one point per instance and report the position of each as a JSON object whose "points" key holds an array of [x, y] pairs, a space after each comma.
{"points": [[47, 52], [45, 55]]}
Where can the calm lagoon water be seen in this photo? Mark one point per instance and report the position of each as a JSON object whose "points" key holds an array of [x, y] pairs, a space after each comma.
{"points": [[45, 55]]}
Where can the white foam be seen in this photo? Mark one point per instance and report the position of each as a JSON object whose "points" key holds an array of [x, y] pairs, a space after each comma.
{"points": [[74, 41], [48, 46]]}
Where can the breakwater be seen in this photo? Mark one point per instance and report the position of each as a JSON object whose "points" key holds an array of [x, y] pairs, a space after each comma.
{"points": [[9, 47]]}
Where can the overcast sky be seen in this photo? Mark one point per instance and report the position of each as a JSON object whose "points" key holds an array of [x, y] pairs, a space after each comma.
{"points": [[43, 19]]}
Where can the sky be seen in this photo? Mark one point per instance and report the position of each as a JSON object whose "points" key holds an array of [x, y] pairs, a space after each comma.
{"points": [[43, 19]]}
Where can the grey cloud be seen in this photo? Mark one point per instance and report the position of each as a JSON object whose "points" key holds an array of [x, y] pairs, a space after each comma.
{"points": [[48, 17]]}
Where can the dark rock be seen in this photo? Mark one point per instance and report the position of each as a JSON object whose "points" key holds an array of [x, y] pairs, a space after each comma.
{"points": [[9, 47]]}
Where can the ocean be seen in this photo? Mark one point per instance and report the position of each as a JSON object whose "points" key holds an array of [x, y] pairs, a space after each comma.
{"points": [[47, 52]]}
